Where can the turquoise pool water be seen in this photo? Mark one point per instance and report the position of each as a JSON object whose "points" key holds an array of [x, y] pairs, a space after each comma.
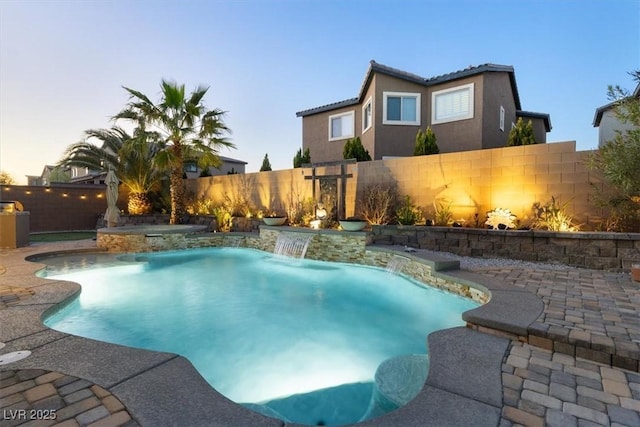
{"points": [[301, 337]]}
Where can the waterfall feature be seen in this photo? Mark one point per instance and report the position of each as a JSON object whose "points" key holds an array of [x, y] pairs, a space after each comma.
{"points": [[396, 264], [294, 246]]}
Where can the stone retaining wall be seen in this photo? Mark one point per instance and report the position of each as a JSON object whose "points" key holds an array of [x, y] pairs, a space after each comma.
{"points": [[325, 245], [602, 251]]}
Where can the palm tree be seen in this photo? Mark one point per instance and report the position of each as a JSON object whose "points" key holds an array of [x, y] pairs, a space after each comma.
{"points": [[185, 129], [131, 157]]}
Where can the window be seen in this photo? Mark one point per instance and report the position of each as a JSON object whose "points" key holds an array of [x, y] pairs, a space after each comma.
{"points": [[453, 104], [367, 115], [190, 167], [341, 126], [401, 108], [502, 118]]}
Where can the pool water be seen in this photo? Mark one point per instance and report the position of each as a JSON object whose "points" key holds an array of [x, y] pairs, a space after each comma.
{"points": [[300, 337]]}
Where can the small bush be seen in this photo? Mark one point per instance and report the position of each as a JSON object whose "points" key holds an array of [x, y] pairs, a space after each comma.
{"points": [[377, 203], [299, 159], [408, 213], [353, 149], [553, 216], [266, 164], [223, 217], [425, 143], [521, 134], [444, 214]]}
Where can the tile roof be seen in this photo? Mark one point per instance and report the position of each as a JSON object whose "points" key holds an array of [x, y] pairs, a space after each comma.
{"points": [[375, 67]]}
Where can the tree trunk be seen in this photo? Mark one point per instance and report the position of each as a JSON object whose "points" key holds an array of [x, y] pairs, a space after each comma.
{"points": [[177, 186]]}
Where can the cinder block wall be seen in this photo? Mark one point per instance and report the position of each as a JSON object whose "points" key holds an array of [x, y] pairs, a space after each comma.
{"points": [[479, 181], [471, 182], [61, 207]]}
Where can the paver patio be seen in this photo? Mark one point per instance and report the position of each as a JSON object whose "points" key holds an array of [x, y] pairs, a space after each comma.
{"points": [[591, 315]]}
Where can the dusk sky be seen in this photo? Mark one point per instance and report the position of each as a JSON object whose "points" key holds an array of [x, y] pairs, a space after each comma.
{"points": [[63, 63]]}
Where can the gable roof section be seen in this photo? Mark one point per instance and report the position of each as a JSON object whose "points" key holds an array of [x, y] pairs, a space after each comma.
{"points": [[375, 67], [230, 160], [532, 115], [601, 110], [328, 107]]}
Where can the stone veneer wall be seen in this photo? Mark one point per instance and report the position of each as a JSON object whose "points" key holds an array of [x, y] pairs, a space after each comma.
{"points": [[325, 245], [603, 251]]}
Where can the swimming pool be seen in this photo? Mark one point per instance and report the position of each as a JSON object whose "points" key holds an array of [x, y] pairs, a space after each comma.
{"points": [[303, 338]]}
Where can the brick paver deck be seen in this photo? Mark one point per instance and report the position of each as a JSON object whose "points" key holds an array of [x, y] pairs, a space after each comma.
{"points": [[34, 397], [593, 311], [590, 314]]}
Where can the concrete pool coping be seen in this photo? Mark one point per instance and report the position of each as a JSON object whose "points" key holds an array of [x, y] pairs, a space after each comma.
{"points": [[463, 386]]}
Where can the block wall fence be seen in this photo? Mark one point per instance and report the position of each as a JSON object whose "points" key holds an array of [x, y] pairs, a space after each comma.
{"points": [[61, 207], [472, 182]]}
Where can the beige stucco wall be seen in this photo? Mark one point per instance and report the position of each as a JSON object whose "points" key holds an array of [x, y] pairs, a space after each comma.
{"points": [[472, 181]]}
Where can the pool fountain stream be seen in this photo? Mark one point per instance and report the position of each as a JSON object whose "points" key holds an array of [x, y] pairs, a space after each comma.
{"points": [[294, 246]]}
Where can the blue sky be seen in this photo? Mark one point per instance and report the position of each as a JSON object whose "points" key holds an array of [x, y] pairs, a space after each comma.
{"points": [[63, 63]]}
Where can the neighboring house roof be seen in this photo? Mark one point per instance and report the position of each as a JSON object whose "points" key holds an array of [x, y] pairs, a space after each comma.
{"points": [[601, 110], [530, 114], [47, 168], [375, 67], [230, 160]]}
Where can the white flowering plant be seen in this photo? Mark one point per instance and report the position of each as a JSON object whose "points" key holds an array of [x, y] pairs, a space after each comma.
{"points": [[500, 216]]}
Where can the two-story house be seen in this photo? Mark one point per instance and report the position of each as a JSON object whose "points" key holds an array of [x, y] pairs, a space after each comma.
{"points": [[470, 109], [607, 121]]}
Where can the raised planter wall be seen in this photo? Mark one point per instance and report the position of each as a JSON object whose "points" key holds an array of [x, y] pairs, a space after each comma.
{"points": [[603, 251]]}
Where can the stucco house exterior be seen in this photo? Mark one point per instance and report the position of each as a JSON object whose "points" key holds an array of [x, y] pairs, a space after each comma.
{"points": [[469, 109], [607, 123]]}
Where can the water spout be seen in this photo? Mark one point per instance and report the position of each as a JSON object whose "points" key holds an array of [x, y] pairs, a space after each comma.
{"points": [[294, 246], [396, 264]]}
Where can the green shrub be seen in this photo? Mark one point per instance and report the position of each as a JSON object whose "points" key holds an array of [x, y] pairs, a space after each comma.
{"points": [[408, 213], [425, 143], [300, 159], [266, 164], [521, 133], [353, 149], [444, 215], [553, 216]]}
